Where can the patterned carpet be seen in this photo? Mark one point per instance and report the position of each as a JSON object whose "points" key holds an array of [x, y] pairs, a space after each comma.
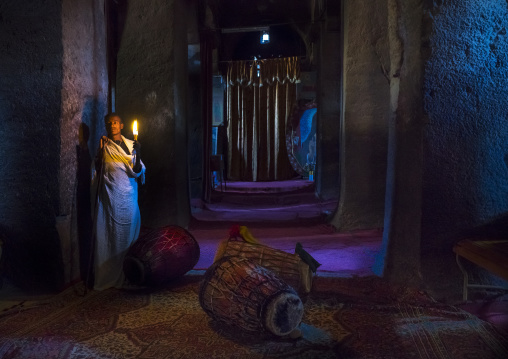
{"points": [[344, 318]]}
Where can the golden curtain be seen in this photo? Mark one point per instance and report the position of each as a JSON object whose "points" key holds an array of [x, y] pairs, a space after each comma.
{"points": [[260, 96]]}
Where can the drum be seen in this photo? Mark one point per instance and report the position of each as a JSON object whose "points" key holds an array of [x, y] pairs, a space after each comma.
{"points": [[288, 266], [160, 256], [240, 293]]}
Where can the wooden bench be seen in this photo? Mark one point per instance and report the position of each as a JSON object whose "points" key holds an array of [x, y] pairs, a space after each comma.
{"points": [[491, 255]]}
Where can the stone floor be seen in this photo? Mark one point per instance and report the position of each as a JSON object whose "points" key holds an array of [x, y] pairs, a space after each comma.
{"points": [[280, 214]]}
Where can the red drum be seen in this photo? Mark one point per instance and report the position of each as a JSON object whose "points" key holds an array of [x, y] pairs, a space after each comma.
{"points": [[161, 256], [237, 292]]}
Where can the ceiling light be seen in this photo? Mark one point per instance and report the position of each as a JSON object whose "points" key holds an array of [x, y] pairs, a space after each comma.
{"points": [[265, 37]]}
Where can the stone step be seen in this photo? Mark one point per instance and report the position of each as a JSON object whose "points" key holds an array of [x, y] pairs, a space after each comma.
{"points": [[267, 199]]}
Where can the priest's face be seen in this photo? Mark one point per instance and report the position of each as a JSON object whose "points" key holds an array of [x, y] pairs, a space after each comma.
{"points": [[114, 126]]}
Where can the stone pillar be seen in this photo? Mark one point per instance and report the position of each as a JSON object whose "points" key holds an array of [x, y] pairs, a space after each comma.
{"points": [[399, 259], [151, 87], [366, 106]]}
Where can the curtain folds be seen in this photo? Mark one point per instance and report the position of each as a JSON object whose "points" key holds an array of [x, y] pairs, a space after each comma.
{"points": [[264, 72], [260, 96]]}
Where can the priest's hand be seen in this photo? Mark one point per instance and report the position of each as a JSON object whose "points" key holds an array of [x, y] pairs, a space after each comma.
{"points": [[137, 148]]}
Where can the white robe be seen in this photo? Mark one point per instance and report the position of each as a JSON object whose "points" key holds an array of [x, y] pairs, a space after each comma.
{"points": [[118, 220]]}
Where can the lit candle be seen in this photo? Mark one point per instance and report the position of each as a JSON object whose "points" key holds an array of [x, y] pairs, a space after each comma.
{"points": [[135, 130]]}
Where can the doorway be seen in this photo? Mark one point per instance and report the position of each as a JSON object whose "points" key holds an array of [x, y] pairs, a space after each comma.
{"points": [[239, 38]]}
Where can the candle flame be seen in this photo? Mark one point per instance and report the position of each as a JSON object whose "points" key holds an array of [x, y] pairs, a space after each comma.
{"points": [[135, 130], [135, 127]]}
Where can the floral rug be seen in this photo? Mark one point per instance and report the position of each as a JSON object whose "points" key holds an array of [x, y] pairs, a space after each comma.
{"points": [[344, 318]]}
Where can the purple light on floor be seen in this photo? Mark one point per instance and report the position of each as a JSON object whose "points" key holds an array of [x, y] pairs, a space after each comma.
{"points": [[358, 260]]}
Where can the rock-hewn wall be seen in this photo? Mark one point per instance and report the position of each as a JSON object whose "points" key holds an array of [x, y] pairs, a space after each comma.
{"points": [[465, 172], [151, 86], [466, 100], [52, 78], [30, 98], [463, 177]]}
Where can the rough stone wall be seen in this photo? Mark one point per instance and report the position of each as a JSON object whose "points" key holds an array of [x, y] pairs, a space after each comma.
{"points": [[365, 120], [151, 86], [84, 104], [466, 100], [30, 98], [48, 71]]}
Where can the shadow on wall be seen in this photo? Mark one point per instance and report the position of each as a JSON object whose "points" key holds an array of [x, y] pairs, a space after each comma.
{"points": [[83, 203], [92, 118]]}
